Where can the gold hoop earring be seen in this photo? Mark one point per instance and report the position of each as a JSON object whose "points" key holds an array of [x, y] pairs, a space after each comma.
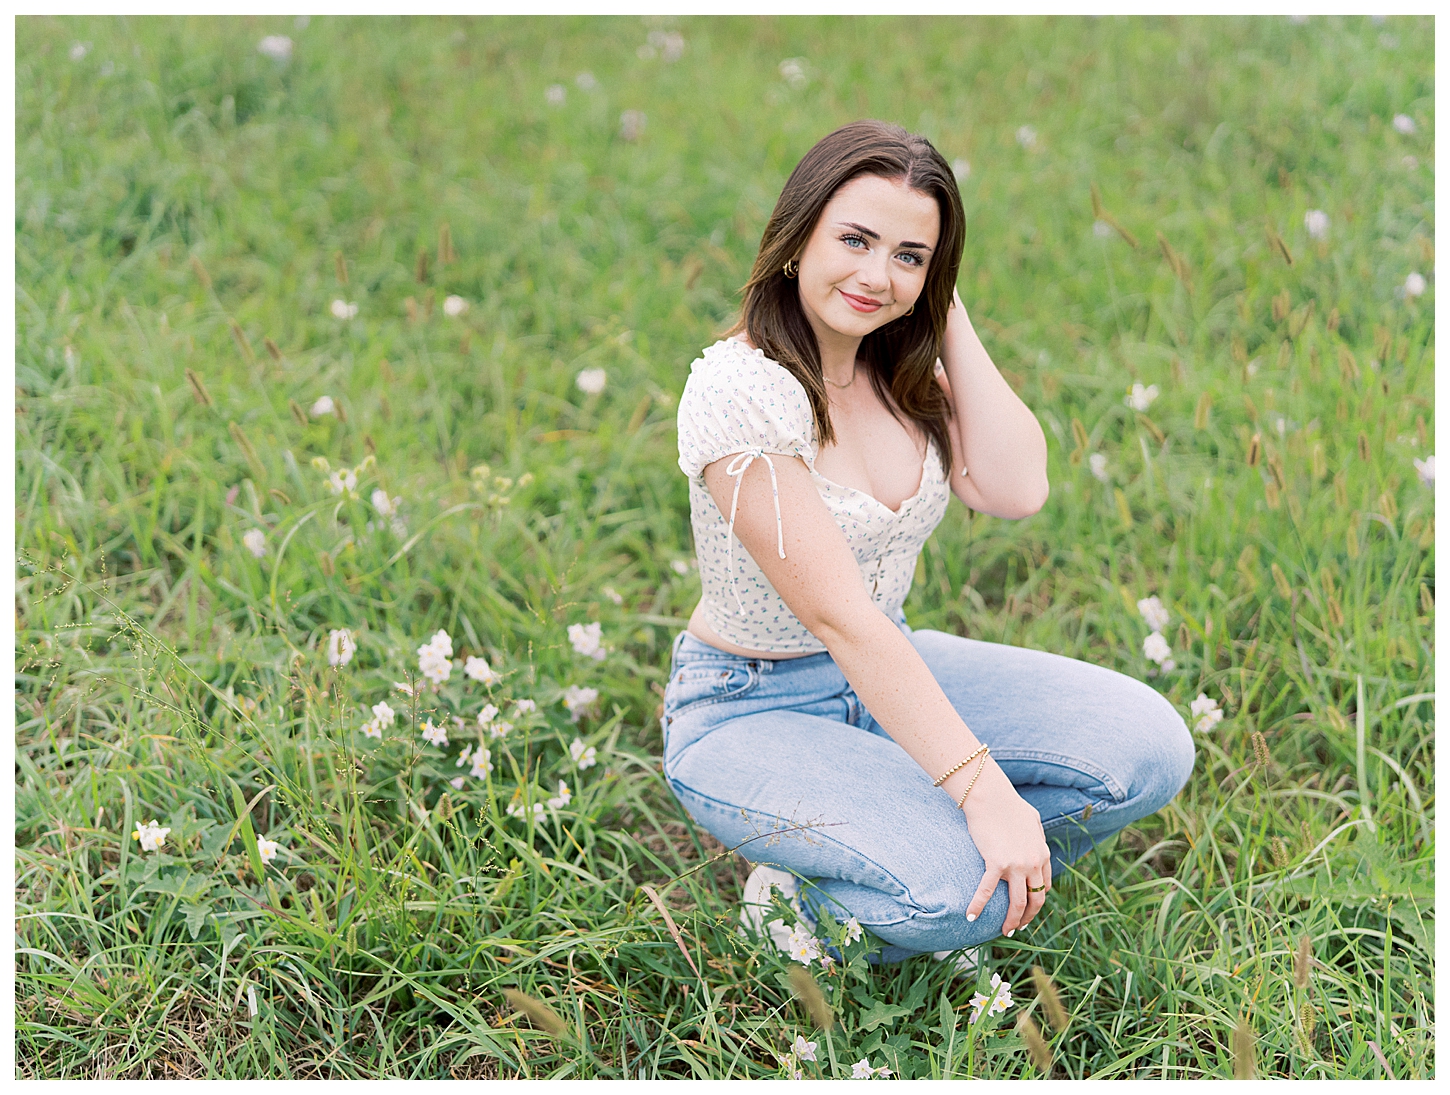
{"points": [[911, 309], [791, 268]]}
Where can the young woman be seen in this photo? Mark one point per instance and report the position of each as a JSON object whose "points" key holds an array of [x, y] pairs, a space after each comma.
{"points": [[926, 784]]}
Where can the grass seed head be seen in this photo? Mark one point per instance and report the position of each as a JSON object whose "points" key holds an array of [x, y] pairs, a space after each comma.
{"points": [[244, 344], [272, 349], [297, 412], [1280, 852], [1331, 321], [1303, 963], [1317, 466], [1243, 1051], [540, 1014], [340, 265], [1051, 1002], [1281, 306], [445, 245], [198, 388], [200, 271], [1255, 446], [1362, 446], [1281, 581], [1200, 412], [1427, 599], [420, 271], [1261, 748], [811, 998], [1348, 366], [1308, 1020], [1036, 1046]]}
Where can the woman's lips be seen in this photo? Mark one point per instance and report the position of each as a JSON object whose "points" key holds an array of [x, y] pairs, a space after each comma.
{"points": [[862, 304]]}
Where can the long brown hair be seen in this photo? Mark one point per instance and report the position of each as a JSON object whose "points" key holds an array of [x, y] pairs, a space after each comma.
{"points": [[901, 355]]}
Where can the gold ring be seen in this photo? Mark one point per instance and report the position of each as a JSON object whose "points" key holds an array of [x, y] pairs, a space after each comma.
{"points": [[1035, 889]]}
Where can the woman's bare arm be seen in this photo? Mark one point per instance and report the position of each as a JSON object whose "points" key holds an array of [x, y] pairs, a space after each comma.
{"points": [[995, 437], [820, 582]]}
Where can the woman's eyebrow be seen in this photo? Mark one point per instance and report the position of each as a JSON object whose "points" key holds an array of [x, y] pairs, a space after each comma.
{"points": [[876, 236]]}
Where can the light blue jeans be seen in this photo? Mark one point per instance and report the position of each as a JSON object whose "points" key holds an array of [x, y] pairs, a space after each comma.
{"points": [[781, 759]]}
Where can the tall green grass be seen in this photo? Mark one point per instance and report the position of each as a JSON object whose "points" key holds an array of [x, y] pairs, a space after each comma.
{"points": [[184, 202]]}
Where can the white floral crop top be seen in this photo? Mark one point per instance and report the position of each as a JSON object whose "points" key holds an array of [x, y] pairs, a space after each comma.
{"points": [[739, 403]]}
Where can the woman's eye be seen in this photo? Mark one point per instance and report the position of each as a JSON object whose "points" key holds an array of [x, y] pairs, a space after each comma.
{"points": [[851, 241], [911, 257]]}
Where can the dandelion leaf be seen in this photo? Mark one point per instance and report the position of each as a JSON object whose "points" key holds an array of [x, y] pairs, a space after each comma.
{"points": [[195, 917], [882, 1014]]}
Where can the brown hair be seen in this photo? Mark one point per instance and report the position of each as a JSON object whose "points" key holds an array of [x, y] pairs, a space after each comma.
{"points": [[901, 355]]}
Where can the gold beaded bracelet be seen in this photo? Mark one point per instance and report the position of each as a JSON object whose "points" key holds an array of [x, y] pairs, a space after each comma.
{"points": [[975, 776], [958, 767]]}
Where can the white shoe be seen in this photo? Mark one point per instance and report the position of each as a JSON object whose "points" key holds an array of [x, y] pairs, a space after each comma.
{"points": [[966, 961], [755, 903]]}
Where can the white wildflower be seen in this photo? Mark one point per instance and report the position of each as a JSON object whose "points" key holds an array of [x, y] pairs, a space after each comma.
{"points": [[255, 541], [586, 81], [590, 381], [372, 729], [585, 639], [487, 715], [343, 309], [999, 999], [383, 713], [481, 764], [1403, 123], [1152, 610], [1414, 285], [961, 168], [793, 72], [406, 689], [524, 707], [1156, 648], [562, 799], [611, 595], [464, 757], [150, 834], [500, 729], [1102, 229], [862, 1070], [478, 669], [884, 1072], [267, 849], [435, 658], [631, 125], [578, 700], [454, 306], [276, 46], [1207, 711], [804, 1050], [803, 946], [680, 567], [79, 50], [340, 647], [583, 756], [554, 94], [853, 930], [456, 783], [343, 481], [435, 735], [1141, 398], [1316, 223], [1098, 465], [387, 507], [324, 405], [1425, 469], [1027, 136]]}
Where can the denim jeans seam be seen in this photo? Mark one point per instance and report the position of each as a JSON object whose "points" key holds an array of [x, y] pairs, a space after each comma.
{"points": [[754, 679], [904, 897], [1077, 764]]}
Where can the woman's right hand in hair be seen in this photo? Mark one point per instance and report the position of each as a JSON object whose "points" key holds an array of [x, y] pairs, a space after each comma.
{"points": [[1007, 831]]}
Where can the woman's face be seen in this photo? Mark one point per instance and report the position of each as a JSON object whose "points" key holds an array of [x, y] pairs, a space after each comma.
{"points": [[865, 262]]}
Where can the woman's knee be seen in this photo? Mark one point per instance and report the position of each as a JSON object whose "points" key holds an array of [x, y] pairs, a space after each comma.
{"points": [[1156, 753]]}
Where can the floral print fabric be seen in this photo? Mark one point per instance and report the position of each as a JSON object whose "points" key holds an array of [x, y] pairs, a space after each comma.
{"points": [[736, 401]]}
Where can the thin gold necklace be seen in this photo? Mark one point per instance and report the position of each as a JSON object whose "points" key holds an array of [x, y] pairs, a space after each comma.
{"points": [[848, 383]]}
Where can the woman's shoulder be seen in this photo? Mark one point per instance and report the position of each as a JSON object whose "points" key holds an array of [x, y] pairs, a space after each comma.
{"points": [[732, 362]]}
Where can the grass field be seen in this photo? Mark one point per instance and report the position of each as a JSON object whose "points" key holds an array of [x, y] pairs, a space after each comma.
{"points": [[188, 210]]}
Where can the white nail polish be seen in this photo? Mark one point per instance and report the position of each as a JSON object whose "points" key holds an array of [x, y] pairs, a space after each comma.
{"points": [[1009, 934], [971, 917]]}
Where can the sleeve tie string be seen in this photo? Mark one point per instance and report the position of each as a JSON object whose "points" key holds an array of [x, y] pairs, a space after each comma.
{"points": [[736, 470]]}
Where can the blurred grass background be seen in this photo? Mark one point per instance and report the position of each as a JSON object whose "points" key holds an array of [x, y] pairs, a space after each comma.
{"points": [[188, 210]]}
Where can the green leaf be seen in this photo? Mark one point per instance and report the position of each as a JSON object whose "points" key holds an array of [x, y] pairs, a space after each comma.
{"points": [[195, 917], [882, 1014]]}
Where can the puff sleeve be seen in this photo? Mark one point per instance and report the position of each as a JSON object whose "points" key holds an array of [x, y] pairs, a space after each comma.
{"points": [[738, 400]]}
